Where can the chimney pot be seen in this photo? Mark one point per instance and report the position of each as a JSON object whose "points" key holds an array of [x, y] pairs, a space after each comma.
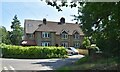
{"points": [[62, 20], [44, 21]]}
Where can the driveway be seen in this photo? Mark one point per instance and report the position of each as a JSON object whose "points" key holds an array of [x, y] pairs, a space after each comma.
{"points": [[37, 64]]}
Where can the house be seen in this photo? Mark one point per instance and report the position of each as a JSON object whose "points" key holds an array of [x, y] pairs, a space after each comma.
{"points": [[49, 33]]}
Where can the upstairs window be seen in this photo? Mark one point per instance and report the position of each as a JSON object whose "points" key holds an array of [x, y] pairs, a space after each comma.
{"points": [[76, 35], [64, 35], [45, 34]]}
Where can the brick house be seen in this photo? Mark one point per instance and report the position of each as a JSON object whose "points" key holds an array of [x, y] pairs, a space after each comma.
{"points": [[49, 33]]}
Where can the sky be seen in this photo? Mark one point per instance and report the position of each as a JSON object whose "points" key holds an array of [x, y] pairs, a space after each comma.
{"points": [[32, 9]]}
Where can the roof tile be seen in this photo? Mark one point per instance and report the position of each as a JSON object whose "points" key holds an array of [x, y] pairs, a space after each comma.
{"points": [[51, 27]]}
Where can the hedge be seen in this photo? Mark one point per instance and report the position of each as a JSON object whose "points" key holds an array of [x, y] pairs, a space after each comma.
{"points": [[11, 51]]}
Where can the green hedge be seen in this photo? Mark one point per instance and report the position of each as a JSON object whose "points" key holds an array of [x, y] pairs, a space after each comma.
{"points": [[11, 51]]}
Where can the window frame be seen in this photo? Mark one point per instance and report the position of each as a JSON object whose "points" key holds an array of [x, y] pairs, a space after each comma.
{"points": [[64, 35], [76, 35], [45, 44], [64, 44], [76, 44], [45, 34]]}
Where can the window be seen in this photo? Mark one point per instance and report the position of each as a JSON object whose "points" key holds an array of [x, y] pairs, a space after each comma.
{"points": [[64, 35], [45, 44], [65, 44], [76, 36], [76, 44], [45, 34]]}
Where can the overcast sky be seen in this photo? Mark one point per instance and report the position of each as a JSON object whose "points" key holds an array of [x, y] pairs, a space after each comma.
{"points": [[32, 9]]}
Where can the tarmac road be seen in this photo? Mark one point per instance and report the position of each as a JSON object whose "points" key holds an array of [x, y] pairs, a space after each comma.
{"points": [[37, 64]]}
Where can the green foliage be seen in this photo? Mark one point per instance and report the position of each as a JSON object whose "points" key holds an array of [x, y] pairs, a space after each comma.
{"points": [[17, 33], [11, 51], [101, 22], [86, 42], [4, 35], [63, 3]]}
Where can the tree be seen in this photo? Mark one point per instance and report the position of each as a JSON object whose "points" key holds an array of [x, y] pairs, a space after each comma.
{"points": [[17, 31], [4, 34], [99, 20], [63, 3], [86, 42]]}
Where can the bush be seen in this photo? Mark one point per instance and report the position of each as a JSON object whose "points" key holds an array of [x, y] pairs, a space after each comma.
{"points": [[86, 42], [11, 51]]}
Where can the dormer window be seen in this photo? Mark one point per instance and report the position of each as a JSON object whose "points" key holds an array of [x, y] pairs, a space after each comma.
{"points": [[45, 34], [76, 35], [64, 35]]}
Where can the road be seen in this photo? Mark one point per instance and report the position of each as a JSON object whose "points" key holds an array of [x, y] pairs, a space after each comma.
{"points": [[37, 64]]}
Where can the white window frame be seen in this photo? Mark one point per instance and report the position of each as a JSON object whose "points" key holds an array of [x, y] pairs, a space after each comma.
{"points": [[76, 36], [45, 35], [64, 35], [45, 44], [65, 44]]}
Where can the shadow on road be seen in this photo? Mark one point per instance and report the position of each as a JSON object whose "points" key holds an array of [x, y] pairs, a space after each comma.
{"points": [[54, 64]]}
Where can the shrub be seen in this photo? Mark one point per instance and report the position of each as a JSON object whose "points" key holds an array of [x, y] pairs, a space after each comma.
{"points": [[11, 51], [86, 42]]}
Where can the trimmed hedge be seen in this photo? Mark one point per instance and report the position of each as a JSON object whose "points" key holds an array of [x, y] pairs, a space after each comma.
{"points": [[11, 51]]}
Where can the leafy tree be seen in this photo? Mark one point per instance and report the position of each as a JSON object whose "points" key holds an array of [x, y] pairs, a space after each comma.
{"points": [[4, 34], [17, 31], [99, 20], [86, 42]]}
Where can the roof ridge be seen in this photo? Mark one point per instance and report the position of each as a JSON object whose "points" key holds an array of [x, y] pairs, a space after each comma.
{"points": [[48, 21]]}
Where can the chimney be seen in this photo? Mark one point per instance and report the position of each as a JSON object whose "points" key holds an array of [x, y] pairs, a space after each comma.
{"points": [[62, 20], [76, 23], [44, 21]]}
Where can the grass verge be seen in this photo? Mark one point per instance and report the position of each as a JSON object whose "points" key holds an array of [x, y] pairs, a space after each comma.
{"points": [[87, 63]]}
